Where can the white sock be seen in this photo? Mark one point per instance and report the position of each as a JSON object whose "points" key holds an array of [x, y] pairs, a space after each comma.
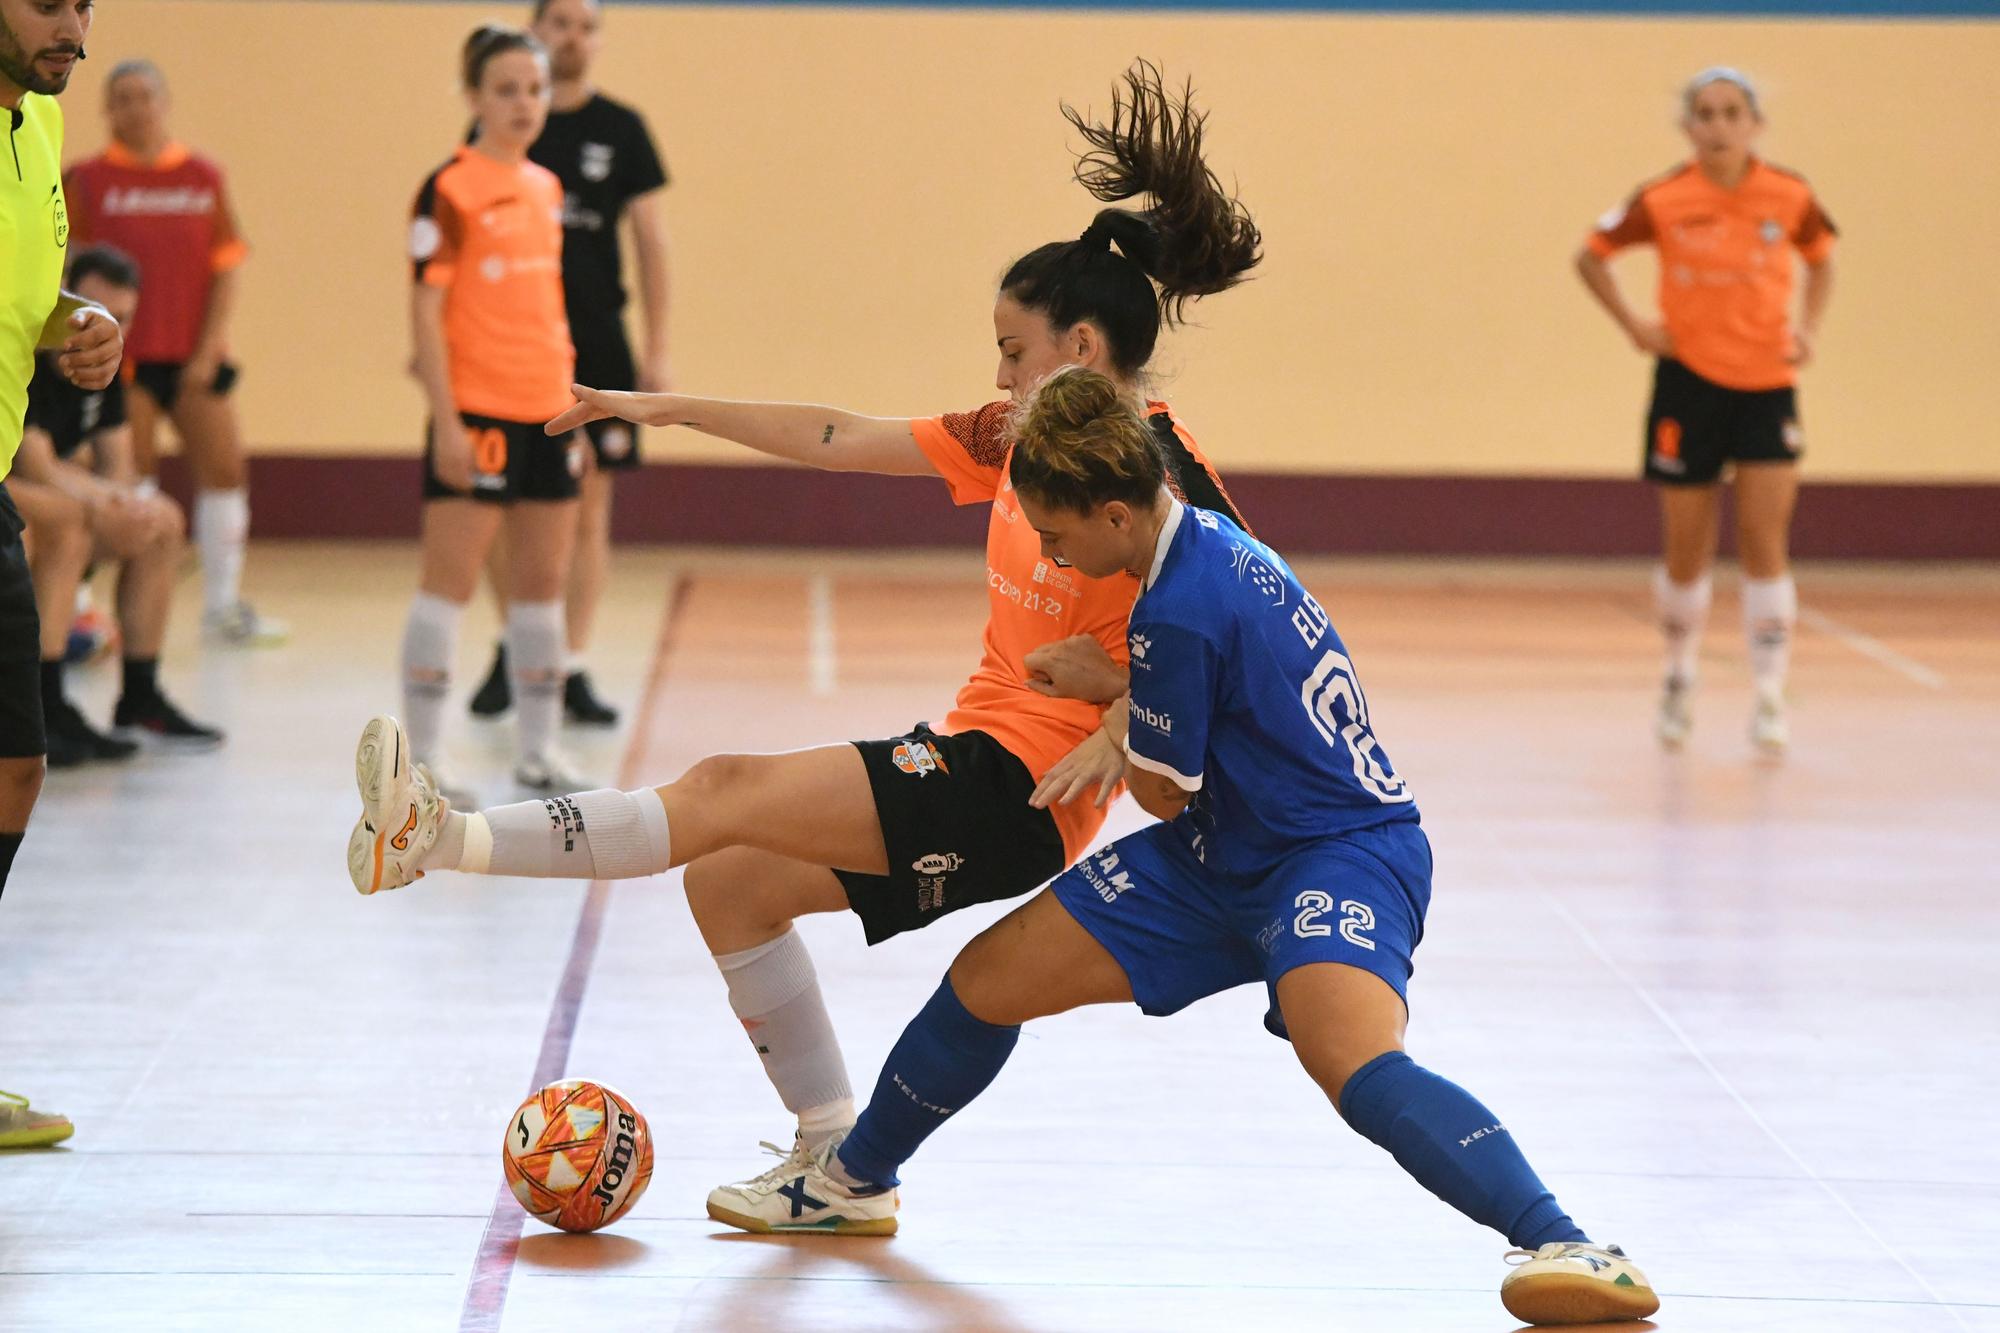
{"points": [[603, 834], [775, 993], [535, 665], [1770, 608], [221, 528], [1683, 613], [430, 641]]}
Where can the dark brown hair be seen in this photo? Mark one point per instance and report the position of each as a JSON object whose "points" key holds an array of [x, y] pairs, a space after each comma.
{"points": [[489, 40], [1194, 240], [1080, 441]]}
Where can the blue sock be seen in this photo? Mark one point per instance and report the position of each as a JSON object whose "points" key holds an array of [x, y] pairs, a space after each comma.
{"points": [[1455, 1148], [944, 1059]]}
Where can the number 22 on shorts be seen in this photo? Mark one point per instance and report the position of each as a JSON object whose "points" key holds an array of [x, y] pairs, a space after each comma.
{"points": [[1355, 918]]}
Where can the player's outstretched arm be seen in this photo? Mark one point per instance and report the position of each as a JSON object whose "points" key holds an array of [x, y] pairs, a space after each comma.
{"points": [[822, 437]]}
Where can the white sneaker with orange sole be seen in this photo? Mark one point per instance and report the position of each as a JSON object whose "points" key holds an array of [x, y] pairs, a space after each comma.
{"points": [[401, 810]]}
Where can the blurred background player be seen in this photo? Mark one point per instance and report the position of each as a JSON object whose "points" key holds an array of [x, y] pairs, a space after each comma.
{"points": [[76, 453], [1726, 225], [604, 156], [493, 355], [1290, 852], [169, 209], [851, 827], [40, 43]]}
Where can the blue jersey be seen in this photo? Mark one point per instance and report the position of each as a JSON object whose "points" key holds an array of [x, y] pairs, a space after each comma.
{"points": [[1243, 694]]}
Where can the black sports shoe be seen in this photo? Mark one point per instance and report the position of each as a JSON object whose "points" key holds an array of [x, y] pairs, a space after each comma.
{"points": [[157, 717], [495, 695], [74, 741], [582, 706]]}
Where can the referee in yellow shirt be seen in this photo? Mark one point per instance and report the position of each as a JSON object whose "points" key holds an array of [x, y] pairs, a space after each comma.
{"points": [[40, 44]]}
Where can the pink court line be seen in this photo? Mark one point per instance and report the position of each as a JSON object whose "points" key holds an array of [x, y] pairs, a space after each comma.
{"points": [[500, 1245]]}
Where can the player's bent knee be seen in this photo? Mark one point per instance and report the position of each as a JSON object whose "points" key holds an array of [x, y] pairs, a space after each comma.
{"points": [[20, 784]]}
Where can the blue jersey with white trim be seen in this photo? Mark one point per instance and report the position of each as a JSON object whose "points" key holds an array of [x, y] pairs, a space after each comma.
{"points": [[1243, 694]]}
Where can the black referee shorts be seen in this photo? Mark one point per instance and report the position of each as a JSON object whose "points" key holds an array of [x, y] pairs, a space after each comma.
{"points": [[22, 732]]}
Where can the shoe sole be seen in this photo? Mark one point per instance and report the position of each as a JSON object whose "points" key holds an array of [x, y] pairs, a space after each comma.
{"points": [[37, 1138], [1575, 1298], [832, 1226], [381, 774]]}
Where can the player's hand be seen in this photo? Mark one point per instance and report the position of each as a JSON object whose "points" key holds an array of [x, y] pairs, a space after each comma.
{"points": [[90, 355], [641, 409], [198, 375], [1652, 338], [1802, 347], [1075, 668], [451, 453], [1097, 760]]}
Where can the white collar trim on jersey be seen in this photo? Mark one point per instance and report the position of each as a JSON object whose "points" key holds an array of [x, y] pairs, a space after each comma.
{"points": [[1165, 542]]}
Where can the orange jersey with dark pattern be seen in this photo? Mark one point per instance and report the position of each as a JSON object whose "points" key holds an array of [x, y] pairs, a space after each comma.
{"points": [[490, 234], [1033, 601], [1726, 267]]}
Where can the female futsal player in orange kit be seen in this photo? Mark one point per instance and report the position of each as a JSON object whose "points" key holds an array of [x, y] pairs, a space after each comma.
{"points": [[905, 830], [1726, 224], [493, 355]]}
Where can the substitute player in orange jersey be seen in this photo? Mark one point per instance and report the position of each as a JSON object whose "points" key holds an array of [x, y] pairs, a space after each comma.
{"points": [[493, 356], [1726, 224], [904, 830]]}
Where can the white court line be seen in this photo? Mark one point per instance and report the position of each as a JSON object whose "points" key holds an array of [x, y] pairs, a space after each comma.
{"points": [[821, 657], [1871, 648], [1528, 878]]}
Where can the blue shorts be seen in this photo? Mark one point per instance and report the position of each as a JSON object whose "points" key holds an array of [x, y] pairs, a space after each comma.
{"points": [[1182, 932]]}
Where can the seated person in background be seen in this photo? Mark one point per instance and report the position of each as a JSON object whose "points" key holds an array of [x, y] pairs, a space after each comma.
{"points": [[76, 463]]}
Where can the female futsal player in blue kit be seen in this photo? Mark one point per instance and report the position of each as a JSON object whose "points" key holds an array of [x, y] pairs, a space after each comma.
{"points": [[1290, 852]]}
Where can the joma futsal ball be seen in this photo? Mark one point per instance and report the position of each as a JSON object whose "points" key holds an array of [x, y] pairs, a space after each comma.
{"points": [[578, 1155]]}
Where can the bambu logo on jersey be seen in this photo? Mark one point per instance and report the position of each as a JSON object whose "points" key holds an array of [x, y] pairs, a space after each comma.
{"points": [[1160, 722], [920, 759]]}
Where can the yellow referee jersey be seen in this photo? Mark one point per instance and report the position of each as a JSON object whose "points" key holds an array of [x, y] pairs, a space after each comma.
{"points": [[34, 230]]}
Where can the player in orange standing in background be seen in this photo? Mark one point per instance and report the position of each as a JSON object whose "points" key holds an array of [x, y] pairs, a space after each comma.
{"points": [[169, 209], [1726, 225], [493, 355]]}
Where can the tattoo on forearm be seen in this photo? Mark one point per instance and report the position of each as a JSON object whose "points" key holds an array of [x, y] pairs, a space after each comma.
{"points": [[826, 436]]}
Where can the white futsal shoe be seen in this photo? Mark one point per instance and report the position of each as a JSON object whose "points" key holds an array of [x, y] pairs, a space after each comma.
{"points": [[401, 810], [549, 773], [1676, 716], [798, 1195], [1770, 728], [1568, 1283]]}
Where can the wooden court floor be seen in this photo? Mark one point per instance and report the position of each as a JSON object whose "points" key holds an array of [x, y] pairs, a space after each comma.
{"points": [[1742, 1016]]}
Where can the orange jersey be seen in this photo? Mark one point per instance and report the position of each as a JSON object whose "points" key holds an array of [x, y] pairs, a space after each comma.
{"points": [[1033, 601], [490, 234], [1725, 265]]}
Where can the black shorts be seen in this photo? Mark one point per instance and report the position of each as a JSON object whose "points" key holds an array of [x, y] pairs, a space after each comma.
{"points": [[162, 380], [605, 362], [23, 734], [958, 826], [1695, 425], [511, 460]]}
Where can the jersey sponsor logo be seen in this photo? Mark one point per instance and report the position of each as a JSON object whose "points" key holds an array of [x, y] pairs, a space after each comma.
{"points": [[937, 863], [579, 216], [1140, 645], [921, 759], [1257, 571], [1025, 598], [157, 200], [1769, 232], [1160, 722], [1207, 520], [425, 238], [1102, 873], [1052, 574], [616, 440], [595, 161]]}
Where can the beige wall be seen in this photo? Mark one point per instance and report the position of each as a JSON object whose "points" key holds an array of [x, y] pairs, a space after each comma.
{"points": [[848, 185]]}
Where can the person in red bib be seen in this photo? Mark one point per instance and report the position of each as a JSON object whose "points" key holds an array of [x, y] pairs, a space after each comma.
{"points": [[169, 209], [1729, 227]]}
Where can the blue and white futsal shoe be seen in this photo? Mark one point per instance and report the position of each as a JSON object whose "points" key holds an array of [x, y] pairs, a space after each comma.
{"points": [[401, 810], [1569, 1283], [798, 1194]]}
